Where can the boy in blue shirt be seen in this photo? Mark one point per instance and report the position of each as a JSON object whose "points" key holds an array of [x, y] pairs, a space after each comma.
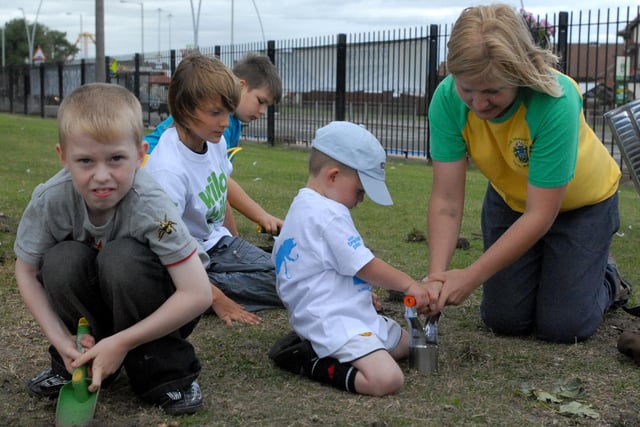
{"points": [[261, 86]]}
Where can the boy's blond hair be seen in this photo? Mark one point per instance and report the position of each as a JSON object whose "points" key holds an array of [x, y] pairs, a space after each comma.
{"points": [[106, 112], [196, 82], [493, 43]]}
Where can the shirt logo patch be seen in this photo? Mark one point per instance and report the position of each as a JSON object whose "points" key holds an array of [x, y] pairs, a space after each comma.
{"points": [[166, 227], [520, 149], [354, 241]]}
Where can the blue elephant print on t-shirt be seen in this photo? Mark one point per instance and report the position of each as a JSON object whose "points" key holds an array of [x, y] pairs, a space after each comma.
{"points": [[284, 254]]}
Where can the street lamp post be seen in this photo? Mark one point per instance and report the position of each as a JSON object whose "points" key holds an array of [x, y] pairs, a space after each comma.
{"points": [[169, 16], [159, 19], [195, 18], [24, 16], [31, 37], [255, 6], [141, 4], [81, 37]]}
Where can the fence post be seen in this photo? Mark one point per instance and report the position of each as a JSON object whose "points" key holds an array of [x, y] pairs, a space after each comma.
{"points": [[216, 51], [41, 75], [271, 110], [107, 69], [26, 75], [341, 76], [432, 66], [60, 81], [563, 33], [432, 75], [107, 60], [83, 72], [173, 62], [136, 77], [12, 73]]}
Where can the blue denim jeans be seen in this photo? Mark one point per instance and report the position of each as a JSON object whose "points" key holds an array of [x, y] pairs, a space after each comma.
{"points": [[244, 273], [559, 289]]}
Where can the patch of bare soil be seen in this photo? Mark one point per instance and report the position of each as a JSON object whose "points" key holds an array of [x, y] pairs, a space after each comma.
{"points": [[478, 382]]}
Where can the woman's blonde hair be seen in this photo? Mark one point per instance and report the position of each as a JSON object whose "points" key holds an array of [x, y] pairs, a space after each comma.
{"points": [[196, 82], [106, 112], [493, 43]]}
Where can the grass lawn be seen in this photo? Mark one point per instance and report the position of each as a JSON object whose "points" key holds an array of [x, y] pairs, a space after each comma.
{"points": [[483, 379]]}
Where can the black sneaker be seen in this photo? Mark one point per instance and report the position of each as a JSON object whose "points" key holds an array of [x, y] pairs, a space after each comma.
{"points": [[623, 289], [292, 353], [46, 384], [181, 402]]}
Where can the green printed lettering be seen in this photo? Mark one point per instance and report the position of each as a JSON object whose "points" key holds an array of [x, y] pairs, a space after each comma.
{"points": [[215, 192]]}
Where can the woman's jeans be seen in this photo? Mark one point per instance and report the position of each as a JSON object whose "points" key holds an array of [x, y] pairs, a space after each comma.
{"points": [[559, 289]]}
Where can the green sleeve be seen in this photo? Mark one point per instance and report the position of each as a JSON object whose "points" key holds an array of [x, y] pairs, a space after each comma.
{"points": [[447, 118], [555, 126]]}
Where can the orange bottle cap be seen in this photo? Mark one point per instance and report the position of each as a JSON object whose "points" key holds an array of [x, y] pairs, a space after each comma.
{"points": [[410, 300]]}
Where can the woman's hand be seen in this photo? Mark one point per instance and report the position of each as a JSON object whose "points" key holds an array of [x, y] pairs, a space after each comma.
{"points": [[456, 287]]}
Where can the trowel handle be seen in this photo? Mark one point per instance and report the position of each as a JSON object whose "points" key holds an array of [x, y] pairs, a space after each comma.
{"points": [[260, 229], [79, 375], [83, 329]]}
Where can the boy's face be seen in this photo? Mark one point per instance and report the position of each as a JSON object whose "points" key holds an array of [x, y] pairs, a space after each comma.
{"points": [[253, 102], [212, 120], [102, 173], [346, 188]]}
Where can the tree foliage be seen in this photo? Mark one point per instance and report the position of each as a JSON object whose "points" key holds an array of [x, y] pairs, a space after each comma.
{"points": [[53, 43]]}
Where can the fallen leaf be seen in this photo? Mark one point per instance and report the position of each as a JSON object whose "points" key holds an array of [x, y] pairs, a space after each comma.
{"points": [[527, 389], [572, 389], [544, 396], [579, 409]]}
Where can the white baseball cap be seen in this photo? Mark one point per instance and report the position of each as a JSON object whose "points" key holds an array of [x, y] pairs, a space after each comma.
{"points": [[354, 146]]}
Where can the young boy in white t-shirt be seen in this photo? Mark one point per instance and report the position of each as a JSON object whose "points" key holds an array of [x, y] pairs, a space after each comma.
{"points": [[191, 165], [325, 272]]}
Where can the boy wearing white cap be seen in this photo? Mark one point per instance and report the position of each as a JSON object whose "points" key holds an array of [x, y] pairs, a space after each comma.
{"points": [[325, 272]]}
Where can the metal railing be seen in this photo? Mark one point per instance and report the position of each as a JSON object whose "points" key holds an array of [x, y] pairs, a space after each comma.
{"points": [[383, 80]]}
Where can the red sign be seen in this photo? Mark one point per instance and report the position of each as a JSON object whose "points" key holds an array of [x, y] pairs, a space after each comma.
{"points": [[39, 56]]}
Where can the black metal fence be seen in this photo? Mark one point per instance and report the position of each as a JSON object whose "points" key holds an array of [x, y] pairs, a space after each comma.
{"points": [[383, 80]]}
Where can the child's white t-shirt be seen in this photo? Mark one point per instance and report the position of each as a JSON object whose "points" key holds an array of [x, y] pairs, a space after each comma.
{"points": [[317, 255], [195, 182]]}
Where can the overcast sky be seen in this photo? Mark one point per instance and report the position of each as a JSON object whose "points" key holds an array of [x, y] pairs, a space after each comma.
{"points": [[172, 26]]}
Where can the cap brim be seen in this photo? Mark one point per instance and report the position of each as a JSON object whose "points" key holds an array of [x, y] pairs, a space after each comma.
{"points": [[376, 190]]}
